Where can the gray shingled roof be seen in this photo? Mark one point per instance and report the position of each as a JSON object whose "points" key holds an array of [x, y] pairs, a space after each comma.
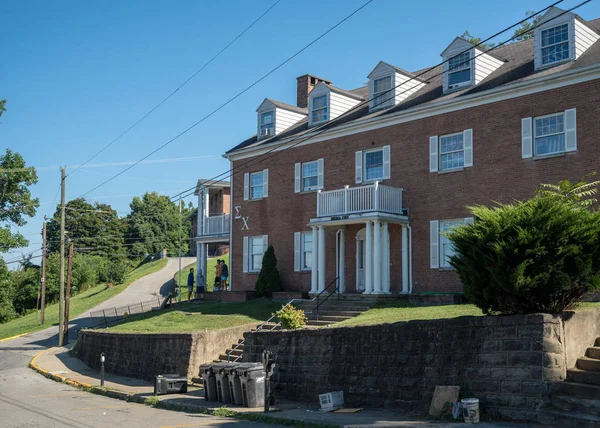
{"points": [[518, 67], [289, 107]]}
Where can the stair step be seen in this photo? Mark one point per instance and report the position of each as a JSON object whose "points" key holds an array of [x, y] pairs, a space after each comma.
{"points": [[577, 404], [327, 317], [593, 352], [583, 376], [337, 313], [237, 346], [583, 390], [316, 323], [588, 364], [562, 419], [235, 352]]}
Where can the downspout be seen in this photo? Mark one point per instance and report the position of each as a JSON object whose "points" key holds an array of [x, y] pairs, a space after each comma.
{"points": [[410, 260]]}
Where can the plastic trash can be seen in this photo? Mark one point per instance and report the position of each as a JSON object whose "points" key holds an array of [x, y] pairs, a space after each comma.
{"points": [[170, 384], [209, 382], [252, 380], [222, 374], [235, 385]]}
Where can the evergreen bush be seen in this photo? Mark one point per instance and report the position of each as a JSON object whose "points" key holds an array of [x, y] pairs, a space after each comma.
{"points": [[268, 279]]}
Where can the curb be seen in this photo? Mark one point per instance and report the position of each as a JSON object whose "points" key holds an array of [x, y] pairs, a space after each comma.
{"points": [[6, 339]]}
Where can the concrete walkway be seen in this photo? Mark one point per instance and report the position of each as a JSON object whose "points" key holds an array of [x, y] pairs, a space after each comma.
{"points": [[58, 362]]}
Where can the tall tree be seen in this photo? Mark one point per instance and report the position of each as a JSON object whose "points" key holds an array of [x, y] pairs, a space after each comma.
{"points": [[476, 40], [16, 202], [525, 31], [2, 107]]}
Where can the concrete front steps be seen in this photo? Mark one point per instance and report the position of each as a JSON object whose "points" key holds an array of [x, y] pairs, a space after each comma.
{"points": [[576, 401], [335, 308]]}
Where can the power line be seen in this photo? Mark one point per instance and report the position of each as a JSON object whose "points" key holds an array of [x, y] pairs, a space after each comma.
{"points": [[239, 94], [153, 109], [324, 127]]}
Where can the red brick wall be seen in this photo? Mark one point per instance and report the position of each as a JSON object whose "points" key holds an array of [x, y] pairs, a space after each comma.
{"points": [[499, 174], [219, 203]]}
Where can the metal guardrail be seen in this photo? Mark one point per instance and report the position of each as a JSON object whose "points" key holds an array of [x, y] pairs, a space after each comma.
{"points": [[335, 281]]}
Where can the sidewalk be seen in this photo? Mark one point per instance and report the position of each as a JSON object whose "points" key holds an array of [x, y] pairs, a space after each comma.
{"points": [[56, 363]]}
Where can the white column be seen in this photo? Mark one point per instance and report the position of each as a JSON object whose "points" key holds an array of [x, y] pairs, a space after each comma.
{"points": [[385, 246], [377, 259], [198, 263], [204, 262], [322, 284], [369, 259], [314, 279], [357, 265], [404, 259], [342, 262]]}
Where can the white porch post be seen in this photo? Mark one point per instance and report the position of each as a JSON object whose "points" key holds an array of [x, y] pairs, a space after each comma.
{"points": [[377, 259], [358, 261], [198, 263], [385, 286], [204, 260], [321, 285], [314, 279], [404, 259], [369, 259], [342, 262]]}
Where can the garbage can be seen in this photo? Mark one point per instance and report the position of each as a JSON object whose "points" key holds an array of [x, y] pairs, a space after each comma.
{"points": [[235, 386], [221, 374], [170, 384], [252, 380], [209, 382]]}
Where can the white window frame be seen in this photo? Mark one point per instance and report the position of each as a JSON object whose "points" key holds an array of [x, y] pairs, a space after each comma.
{"points": [[456, 151], [270, 126], [302, 177], [324, 108], [252, 254], [253, 186], [467, 65], [386, 92], [365, 170], [303, 251], [536, 136], [542, 47]]}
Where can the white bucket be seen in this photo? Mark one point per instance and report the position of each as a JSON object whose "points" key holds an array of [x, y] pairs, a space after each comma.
{"points": [[470, 408]]}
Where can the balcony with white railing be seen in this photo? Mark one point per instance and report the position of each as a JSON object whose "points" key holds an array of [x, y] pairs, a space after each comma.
{"points": [[215, 225], [357, 200]]}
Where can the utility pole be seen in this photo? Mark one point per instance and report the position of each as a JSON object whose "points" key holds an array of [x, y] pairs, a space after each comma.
{"points": [[61, 301], [43, 271], [179, 278], [68, 296]]}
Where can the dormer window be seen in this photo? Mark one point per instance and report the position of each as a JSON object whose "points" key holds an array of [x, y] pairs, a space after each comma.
{"points": [[555, 44], [459, 70], [267, 125], [383, 96], [319, 109]]}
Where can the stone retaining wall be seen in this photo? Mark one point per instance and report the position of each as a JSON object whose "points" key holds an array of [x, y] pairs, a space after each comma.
{"points": [[144, 356], [507, 362]]}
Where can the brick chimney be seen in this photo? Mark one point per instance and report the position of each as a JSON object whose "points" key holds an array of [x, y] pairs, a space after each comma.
{"points": [[306, 84]]}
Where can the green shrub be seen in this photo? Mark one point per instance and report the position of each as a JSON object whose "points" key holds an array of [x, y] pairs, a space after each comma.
{"points": [[116, 271], [291, 318], [541, 255], [268, 279]]}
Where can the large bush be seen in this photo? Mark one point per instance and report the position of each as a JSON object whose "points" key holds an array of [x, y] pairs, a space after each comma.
{"points": [[540, 255], [268, 279]]}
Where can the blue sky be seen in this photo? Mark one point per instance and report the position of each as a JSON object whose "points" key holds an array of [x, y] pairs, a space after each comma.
{"points": [[77, 74]]}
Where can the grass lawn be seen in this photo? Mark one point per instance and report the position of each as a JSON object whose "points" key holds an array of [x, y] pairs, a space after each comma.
{"points": [[195, 316], [80, 303], [401, 310], [210, 266]]}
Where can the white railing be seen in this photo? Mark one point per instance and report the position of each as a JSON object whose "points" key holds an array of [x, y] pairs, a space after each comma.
{"points": [[216, 224], [353, 200]]}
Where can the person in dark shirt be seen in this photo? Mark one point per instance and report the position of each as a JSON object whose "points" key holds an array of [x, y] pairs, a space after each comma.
{"points": [[190, 283], [224, 275]]}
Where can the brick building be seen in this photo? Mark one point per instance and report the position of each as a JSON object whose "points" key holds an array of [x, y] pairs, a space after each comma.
{"points": [[357, 186]]}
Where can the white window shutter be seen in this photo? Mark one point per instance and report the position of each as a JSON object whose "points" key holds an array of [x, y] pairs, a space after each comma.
{"points": [[359, 166], [320, 171], [526, 138], [434, 244], [433, 154], [468, 146], [297, 251], [246, 186], [246, 262], [265, 183], [265, 242], [570, 130], [297, 177], [386, 162]]}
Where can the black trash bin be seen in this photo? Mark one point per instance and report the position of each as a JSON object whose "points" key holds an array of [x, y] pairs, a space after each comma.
{"points": [[170, 384], [252, 381], [235, 385], [221, 374], [209, 382]]}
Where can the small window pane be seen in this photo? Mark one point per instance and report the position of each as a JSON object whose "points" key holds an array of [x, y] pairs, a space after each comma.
{"points": [[319, 109], [374, 165], [306, 250], [460, 62], [256, 185], [459, 77], [310, 171], [267, 118], [257, 250], [320, 101], [452, 153], [549, 135], [382, 93], [555, 44], [446, 246]]}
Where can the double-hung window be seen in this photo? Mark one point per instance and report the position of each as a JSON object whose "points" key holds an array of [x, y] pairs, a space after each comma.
{"points": [[555, 44], [306, 251], [452, 153], [446, 246], [255, 251], [459, 70], [310, 176], [256, 185], [267, 124], [374, 165], [382, 94], [319, 109], [549, 134]]}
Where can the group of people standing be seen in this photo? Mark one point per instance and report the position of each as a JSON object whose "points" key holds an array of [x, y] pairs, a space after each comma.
{"points": [[221, 280]]}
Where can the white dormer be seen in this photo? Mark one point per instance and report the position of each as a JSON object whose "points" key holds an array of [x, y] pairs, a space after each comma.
{"points": [[561, 38], [389, 85], [465, 65], [326, 102], [274, 117]]}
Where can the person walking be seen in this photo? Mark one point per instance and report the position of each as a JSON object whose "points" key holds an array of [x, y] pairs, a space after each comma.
{"points": [[224, 275], [218, 271], [190, 283]]}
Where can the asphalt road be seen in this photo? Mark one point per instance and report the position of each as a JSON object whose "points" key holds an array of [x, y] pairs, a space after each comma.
{"points": [[27, 399]]}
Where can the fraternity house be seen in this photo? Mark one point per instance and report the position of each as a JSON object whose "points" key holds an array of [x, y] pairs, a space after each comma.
{"points": [[356, 187]]}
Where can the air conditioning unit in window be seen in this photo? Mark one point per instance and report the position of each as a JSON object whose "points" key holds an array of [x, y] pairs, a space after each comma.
{"points": [[265, 132]]}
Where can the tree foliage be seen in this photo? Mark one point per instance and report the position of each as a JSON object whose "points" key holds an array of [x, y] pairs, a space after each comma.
{"points": [[580, 193], [2, 107], [476, 40], [268, 279], [525, 31]]}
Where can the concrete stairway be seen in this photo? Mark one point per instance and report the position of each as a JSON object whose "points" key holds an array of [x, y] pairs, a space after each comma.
{"points": [[576, 401], [334, 309]]}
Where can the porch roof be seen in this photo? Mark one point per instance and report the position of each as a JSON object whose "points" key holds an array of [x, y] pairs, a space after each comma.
{"points": [[342, 220]]}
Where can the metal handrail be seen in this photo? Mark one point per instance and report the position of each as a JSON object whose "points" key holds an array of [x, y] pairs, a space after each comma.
{"points": [[335, 281]]}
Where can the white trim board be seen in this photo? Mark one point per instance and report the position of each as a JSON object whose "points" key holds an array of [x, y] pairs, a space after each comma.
{"points": [[515, 90]]}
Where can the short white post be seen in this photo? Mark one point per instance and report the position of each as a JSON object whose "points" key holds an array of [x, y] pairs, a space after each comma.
{"points": [[319, 203], [404, 259], [321, 286], [346, 198], [342, 263], [376, 195], [204, 253], [314, 279], [385, 245], [369, 259], [377, 260]]}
